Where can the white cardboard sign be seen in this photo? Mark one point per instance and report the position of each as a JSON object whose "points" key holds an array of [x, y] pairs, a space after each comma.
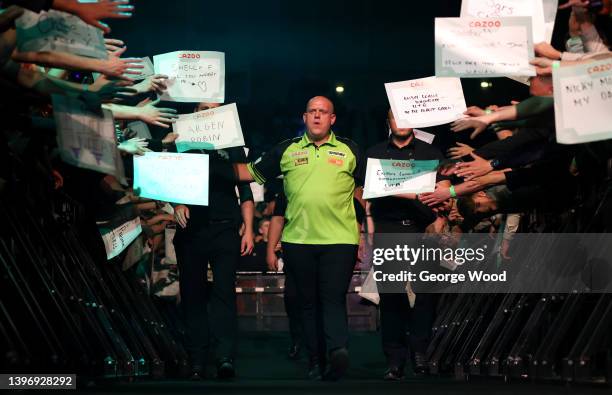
{"points": [[212, 129], [511, 8], [60, 32], [583, 102], [388, 177], [474, 47], [426, 102], [194, 76], [170, 177], [118, 239], [86, 139]]}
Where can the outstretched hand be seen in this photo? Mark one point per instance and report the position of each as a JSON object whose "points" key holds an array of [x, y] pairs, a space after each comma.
{"points": [[476, 123], [476, 168], [435, 198], [134, 146], [574, 3], [150, 114], [155, 83], [93, 13], [459, 151], [116, 67]]}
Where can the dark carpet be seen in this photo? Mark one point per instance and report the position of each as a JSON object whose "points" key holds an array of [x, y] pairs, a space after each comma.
{"points": [[263, 368]]}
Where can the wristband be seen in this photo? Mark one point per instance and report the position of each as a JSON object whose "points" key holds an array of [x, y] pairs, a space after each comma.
{"points": [[452, 191]]}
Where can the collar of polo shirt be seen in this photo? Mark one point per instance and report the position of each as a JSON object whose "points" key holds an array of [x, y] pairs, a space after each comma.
{"points": [[391, 143], [305, 142]]}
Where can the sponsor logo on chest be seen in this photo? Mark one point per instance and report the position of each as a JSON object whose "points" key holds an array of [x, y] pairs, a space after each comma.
{"points": [[300, 161], [298, 154], [336, 158]]}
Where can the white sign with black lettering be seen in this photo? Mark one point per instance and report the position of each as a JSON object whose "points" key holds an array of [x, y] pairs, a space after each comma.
{"points": [[583, 102], [118, 239], [59, 32], [484, 47], [388, 177], [86, 139], [194, 76], [510, 8], [212, 129], [426, 102], [171, 177]]}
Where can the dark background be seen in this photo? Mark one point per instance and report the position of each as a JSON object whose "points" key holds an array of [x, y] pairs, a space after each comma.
{"points": [[279, 53]]}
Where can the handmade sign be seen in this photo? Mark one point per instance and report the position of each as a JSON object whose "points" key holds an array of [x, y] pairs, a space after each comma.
{"points": [[387, 177], [583, 102], [484, 47], [510, 8], [60, 32], [86, 139], [212, 129], [170, 177], [426, 102], [194, 76], [118, 239]]}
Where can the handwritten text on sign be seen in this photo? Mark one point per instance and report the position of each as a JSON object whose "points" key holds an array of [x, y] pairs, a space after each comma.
{"points": [[469, 47], [116, 240], [60, 32], [583, 102], [170, 177], [509, 8], [386, 177], [426, 101], [86, 139], [194, 76], [209, 129]]}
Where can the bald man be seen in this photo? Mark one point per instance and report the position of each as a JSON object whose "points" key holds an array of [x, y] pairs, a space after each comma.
{"points": [[322, 173]]}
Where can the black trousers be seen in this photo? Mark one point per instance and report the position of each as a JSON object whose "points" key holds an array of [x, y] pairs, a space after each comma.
{"points": [[403, 327], [322, 275], [208, 312], [292, 307]]}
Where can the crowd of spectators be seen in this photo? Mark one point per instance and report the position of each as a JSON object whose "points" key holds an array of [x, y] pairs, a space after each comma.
{"points": [[523, 181]]}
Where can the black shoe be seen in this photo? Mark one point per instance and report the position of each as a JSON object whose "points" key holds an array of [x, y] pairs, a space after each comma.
{"points": [[419, 363], [394, 373], [338, 364], [294, 351], [197, 373], [225, 369], [314, 369]]}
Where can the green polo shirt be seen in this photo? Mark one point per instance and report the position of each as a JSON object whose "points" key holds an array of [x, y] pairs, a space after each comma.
{"points": [[319, 183]]}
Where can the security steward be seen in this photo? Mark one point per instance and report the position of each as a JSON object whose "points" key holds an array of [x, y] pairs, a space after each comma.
{"points": [[403, 213], [210, 235]]}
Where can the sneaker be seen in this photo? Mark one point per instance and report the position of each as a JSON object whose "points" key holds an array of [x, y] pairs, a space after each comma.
{"points": [[225, 369], [314, 369], [338, 364], [197, 373], [394, 373]]}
